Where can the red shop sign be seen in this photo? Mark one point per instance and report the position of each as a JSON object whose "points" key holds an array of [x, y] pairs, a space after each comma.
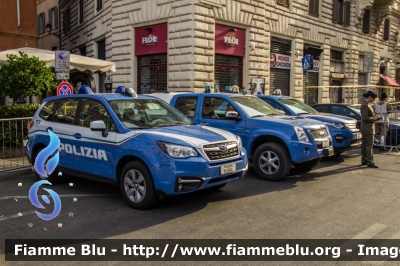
{"points": [[151, 39], [230, 40]]}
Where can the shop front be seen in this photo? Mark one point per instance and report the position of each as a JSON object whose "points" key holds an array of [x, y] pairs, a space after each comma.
{"points": [[151, 58], [229, 53], [280, 64]]}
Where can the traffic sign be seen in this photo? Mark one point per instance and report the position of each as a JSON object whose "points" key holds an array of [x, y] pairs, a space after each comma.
{"points": [[64, 88], [62, 76], [62, 61], [306, 62]]}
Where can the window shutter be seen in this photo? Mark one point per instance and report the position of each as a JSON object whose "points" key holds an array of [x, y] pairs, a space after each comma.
{"points": [[311, 7], [55, 26], [386, 28], [38, 24], [366, 21], [49, 14], [335, 11], [316, 7], [64, 19], [44, 22], [347, 13]]}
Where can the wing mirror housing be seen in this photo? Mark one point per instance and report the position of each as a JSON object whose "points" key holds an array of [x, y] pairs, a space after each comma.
{"points": [[99, 125], [232, 115]]}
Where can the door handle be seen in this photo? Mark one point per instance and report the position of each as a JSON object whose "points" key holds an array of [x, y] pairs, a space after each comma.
{"points": [[77, 136], [204, 124]]}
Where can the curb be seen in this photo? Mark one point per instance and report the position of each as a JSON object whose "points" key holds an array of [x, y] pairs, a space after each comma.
{"points": [[15, 173]]}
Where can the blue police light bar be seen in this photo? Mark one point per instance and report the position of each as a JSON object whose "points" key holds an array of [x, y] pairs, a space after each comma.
{"points": [[259, 93], [245, 92], [208, 89], [130, 92], [120, 89], [85, 89]]}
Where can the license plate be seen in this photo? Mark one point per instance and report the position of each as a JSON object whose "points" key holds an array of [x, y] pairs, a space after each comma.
{"points": [[325, 143], [328, 152], [228, 168], [357, 136]]}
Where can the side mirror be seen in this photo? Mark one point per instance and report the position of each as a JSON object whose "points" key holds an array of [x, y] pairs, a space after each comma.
{"points": [[99, 125], [352, 115], [232, 115], [281, 112]]}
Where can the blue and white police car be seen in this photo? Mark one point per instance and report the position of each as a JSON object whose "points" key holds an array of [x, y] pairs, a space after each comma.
{"points": [[140, 143]]}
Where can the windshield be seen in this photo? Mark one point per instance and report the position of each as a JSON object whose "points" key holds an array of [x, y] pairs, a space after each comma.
{"points": [[149, 113], [298, 107], [254, 107]]}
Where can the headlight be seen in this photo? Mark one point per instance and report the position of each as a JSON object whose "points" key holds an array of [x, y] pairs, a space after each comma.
{"points": [[177, 151], [336, 125], [240, 145], [301, 134]]}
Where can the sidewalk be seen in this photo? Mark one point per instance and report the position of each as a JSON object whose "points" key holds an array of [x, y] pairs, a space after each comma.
{"points": [[12, 163]]}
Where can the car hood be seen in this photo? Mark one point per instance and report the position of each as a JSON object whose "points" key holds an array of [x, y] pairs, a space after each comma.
{"points": [[331, 118], [195, 135], [293, 121]]}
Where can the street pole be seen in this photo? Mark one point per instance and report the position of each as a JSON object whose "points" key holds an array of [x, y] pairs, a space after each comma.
{"points": [[307, 85]]}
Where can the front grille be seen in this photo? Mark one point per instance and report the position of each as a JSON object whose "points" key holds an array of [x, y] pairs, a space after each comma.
{"points": [[222, 150], [319, 133], [352, 126]]}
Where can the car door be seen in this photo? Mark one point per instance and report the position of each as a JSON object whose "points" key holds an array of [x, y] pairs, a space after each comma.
{"points": [[213, 111], [94, 153], [63, 121]]}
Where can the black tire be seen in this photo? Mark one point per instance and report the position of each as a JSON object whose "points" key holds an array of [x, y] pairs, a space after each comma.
{"points": [[275, 153], [52, 178], [310, 164], [138, 190]]}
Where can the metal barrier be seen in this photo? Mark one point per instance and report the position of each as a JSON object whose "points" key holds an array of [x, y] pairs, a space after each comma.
{"points": [[391, 131], [14, 134]]}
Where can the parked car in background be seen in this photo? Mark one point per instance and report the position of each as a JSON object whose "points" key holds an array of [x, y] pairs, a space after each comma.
{"points": [[353, 111], [344, 131], [273, 142]]}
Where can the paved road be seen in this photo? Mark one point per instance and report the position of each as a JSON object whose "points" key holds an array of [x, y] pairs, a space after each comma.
{"points": [[339, 199]]}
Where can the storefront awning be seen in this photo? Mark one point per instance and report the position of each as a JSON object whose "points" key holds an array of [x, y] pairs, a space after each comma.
{"points": [[337, 76], [78, 62], [389, 80]]}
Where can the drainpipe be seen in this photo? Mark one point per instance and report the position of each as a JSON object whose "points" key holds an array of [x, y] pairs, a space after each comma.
{"points": [[18, 15]]}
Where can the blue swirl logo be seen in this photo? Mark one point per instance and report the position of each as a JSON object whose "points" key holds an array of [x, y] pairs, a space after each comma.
{"points": [[51, 151], [45, 163], [35, 201]]}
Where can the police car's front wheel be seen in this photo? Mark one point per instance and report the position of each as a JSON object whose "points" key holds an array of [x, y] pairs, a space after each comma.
{"points": [[137, 186]]}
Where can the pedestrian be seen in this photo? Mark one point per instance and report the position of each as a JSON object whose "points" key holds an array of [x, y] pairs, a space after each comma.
{"points": [[381, 108], [367, 129]]}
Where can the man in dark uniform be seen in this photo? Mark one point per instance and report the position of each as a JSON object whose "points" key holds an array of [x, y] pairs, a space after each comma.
{"points": [[367, 129]]}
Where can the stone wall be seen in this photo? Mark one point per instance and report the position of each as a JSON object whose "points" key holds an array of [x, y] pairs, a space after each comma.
{"points": [[191, 37]]}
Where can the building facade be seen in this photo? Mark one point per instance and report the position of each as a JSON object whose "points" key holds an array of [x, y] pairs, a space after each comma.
{"points": [[16, 27], [48, 15], [185, 45]]}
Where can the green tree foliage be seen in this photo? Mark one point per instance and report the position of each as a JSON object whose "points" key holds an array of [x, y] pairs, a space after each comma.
{"points": [[25, 76]]}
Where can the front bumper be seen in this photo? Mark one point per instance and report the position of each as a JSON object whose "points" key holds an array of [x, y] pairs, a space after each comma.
{"points": [[195, 173], [345, 139], [306, 151]]}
